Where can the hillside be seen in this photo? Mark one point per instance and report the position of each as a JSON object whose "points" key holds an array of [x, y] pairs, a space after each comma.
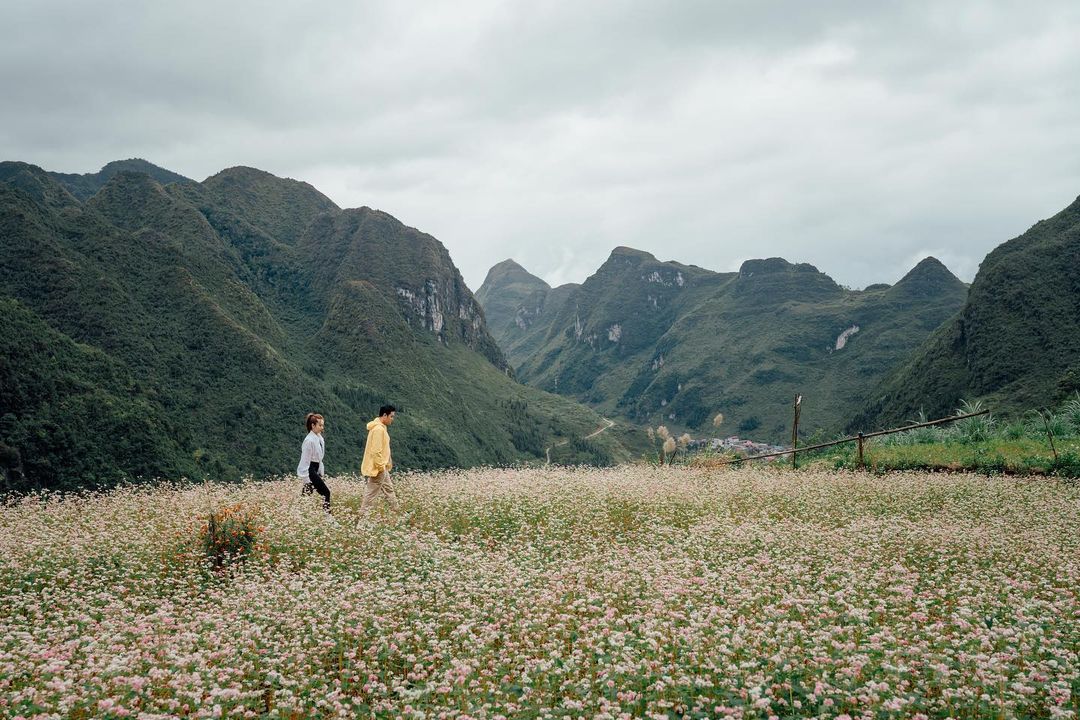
{"points": [[517, 305], [510, 295], [83, 187], [1016, 342], [664, 342], [220, 312]]}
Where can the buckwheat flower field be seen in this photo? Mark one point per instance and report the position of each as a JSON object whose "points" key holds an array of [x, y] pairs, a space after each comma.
{"points": [[552, 593]]}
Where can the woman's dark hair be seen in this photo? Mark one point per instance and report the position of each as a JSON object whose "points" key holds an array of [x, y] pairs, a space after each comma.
{"points": [[312, 419], [386, 410]]}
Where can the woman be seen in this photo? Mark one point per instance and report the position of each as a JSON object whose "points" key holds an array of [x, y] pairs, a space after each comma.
{"points": [[311, 459]]}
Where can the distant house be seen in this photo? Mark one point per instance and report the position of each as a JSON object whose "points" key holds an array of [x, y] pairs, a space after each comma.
{"points": [[737, 445]]}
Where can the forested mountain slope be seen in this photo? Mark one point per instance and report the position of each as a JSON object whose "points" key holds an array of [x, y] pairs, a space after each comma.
{"points": [[185, 329]]}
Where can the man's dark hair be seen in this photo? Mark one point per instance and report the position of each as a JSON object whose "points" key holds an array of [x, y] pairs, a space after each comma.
{"points": [[386, 410]]}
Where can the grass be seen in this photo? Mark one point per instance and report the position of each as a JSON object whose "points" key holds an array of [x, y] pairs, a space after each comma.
{"points": [[994, 456]]}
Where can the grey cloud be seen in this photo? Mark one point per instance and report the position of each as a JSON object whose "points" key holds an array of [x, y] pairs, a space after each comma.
{"points": [[849, 135]]}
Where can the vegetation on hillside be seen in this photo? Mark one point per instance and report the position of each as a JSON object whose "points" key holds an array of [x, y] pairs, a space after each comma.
{"points": [[1015, 343], [186, 329], [85, 186], [663, 343]]}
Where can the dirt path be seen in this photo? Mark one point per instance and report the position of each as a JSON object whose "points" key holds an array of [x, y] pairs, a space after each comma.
{"points": [[610, 424]]}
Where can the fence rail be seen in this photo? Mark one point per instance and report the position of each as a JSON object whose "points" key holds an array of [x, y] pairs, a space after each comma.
{"points": [[860, 438]]}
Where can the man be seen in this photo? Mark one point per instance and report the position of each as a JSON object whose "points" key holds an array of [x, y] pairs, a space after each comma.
{"points": [[377, 461]]}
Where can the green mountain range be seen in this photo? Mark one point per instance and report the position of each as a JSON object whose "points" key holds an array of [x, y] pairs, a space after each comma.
{"points": [[153, 326], [85, 186], [1015, 345], [514, 301], [662, 342]]}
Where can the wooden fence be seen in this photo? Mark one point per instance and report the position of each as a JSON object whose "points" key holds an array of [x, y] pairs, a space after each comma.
{"points": [[861, 438]]}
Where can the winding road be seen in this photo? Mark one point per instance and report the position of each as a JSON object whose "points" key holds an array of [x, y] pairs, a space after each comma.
{"points": [[610, 424]]}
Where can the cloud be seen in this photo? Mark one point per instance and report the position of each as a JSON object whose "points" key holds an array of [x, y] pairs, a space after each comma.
{"points": [[850, 136]]}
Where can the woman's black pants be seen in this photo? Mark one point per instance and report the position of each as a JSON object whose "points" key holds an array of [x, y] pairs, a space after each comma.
{"points": [[316, 484]]}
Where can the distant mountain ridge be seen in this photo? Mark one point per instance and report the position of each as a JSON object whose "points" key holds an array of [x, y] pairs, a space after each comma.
{"points": [[184, 329], [507, 295], [513, 300], [666, 342], [85, 186]]}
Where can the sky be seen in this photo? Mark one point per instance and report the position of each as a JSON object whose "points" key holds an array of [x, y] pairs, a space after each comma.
{"points": [[860, 137]]}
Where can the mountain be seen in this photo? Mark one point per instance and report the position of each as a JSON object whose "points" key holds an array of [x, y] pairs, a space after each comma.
{"points": [[506, 295], [85, 186], [1015, 343], [69, 409], [601, 328], [657, 341], [515, 300], [185, 329], [280, 207]]}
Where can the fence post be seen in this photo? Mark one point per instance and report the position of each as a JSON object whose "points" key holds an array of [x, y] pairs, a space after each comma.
{"points": [[795, 432], [1049, 434], [860, 438]]}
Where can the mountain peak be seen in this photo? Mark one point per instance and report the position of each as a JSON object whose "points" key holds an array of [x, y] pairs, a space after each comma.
{"points": [[506, 287], [624, 251], [509, 271], [773, 266], [623, 258], [129, 198], [131, 180], [928, 277], [157, 172], [242, 173], [930, 264], [86, 186], [775, 280], [281, 206], [507, 265], [241, 177], [36, 183]]}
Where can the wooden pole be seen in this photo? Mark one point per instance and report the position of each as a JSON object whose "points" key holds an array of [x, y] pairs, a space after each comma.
{"points": [[860, 439], [1049, 434], [795, 432]]}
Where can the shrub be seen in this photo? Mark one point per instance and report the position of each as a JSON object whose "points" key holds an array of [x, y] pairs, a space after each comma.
{"points": [[923, 435], [1057, 423], [749, 424], [1016, 430], [918, 436], [1067, 464], [976, 429], [229, 534], [1070, 412]]}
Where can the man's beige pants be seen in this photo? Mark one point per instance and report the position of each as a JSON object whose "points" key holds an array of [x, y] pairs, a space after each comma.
{"points": [[379, 486]]}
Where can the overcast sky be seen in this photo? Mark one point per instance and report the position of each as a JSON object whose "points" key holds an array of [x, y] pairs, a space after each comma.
{"points": [[856, 136]]}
